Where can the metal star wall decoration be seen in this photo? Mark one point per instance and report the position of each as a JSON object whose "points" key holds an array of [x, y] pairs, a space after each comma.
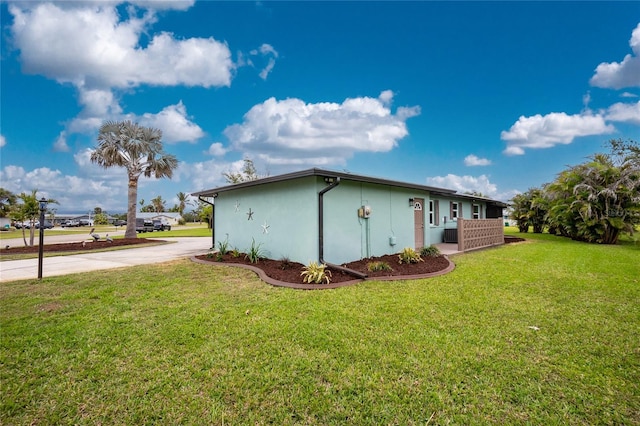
{"points": [[265, 228], [250, 214], [237, 206]]}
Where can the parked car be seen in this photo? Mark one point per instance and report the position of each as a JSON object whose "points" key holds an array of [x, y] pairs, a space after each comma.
{"points": [[144, 225], [120, 222], [47, 224], [70, 224], [158, 225], [86, 222]]}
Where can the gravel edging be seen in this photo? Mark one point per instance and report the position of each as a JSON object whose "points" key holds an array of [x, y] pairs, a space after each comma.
{"points": [[302, 286]]}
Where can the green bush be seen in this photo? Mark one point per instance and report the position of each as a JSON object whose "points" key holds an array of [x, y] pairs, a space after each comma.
{"points": [[316, 274], [409, 255], [223, 247], [431, 251], [378, 266], [255, 253]]}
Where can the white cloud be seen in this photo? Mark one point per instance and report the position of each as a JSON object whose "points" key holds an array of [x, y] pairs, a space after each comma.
{"points": [[98, 105], [3, 141], [552, 129], [616, 75], [60, 145], [72, 193], [90, 45], [294, 132], [267, 51], [628, 95], [174, 123], [466, 184], [621, 112], [94, 47], [473, 160], [217, 149], [206, 174]]}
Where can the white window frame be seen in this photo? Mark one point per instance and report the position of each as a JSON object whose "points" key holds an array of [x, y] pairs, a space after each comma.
{"points": [[431, 211], [476, 211], [454, 210]]}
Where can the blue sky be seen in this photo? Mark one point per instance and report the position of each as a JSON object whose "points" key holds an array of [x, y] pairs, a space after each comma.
{"points": [[494, 97]]}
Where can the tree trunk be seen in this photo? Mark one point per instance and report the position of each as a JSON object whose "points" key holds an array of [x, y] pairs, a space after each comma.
{"points": [[32, 231], [132, 202]]}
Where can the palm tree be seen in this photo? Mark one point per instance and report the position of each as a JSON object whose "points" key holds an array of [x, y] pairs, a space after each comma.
{"points": [[139, 150], [158, 204], [28, 210], [183, 200]]}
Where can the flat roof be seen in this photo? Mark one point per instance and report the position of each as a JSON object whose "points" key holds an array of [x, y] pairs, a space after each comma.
{"points": [[344, 176]]}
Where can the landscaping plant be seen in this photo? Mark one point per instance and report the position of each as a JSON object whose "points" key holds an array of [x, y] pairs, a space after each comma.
{"points": [[409, 255], [378, 266], [315, 273], [431, 251], [255, 253]]}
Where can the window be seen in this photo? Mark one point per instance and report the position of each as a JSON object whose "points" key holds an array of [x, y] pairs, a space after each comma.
{"points": [[454, 210], [476, 211], [430, 212]]}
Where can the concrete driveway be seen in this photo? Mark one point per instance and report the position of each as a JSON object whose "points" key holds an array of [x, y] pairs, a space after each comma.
{"points": [[62, 265]]}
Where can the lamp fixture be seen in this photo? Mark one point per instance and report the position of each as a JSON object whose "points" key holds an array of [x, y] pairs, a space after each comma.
{"points": [[412, 201]]}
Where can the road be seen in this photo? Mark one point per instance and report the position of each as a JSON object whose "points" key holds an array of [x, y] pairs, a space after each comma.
{"points": [[61, 265]]}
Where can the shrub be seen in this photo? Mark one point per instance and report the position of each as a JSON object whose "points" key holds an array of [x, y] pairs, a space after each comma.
{"points": [[235, 253], [255, 253], [431, 251], [378, 266], [181, 221], [285, 263], [223, 247], [409, 255], [315, 273]]}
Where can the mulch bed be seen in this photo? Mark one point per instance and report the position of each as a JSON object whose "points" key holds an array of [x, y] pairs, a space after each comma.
{"points": [[279, 270], [80, 245], [289, 272]]}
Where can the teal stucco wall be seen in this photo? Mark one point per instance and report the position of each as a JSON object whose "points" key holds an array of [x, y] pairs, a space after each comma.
{"points": [[284, 219], [288, 211], [349, 237]]}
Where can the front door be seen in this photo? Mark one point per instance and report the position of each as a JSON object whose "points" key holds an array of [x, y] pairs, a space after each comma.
{"points": [[418, 219]]}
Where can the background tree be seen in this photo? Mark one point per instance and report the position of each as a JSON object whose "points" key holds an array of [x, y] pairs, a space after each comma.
{"points": [[183, 201], [28, 210], [101, 219], [248, 173], [139, 150], [530, 209], [597, 200], [7, 200], [158, 204]]}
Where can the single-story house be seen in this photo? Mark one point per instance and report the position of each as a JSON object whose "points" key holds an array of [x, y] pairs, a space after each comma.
{"points": [[166, 217], [337, 217]]}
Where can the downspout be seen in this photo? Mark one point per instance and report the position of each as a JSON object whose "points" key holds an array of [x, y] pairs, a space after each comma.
{"points": [[321, 232], [213, 215]]}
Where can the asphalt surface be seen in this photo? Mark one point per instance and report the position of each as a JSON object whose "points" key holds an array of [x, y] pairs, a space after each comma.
{"points": [[62, 265]]}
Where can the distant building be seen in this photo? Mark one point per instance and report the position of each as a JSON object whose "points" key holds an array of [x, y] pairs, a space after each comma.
{"points": [[168, 217]]}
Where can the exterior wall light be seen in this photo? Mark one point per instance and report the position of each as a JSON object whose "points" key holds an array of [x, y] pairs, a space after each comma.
{"points": [[411, 202]]}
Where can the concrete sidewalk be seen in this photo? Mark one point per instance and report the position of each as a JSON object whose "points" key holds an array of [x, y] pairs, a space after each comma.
{"points": [[62, 265]]}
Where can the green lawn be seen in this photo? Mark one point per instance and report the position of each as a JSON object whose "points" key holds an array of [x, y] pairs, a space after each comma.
{"points": [[542, 332]]}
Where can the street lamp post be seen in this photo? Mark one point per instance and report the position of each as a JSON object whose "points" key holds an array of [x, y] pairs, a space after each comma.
{"points": [[43, 207]]}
